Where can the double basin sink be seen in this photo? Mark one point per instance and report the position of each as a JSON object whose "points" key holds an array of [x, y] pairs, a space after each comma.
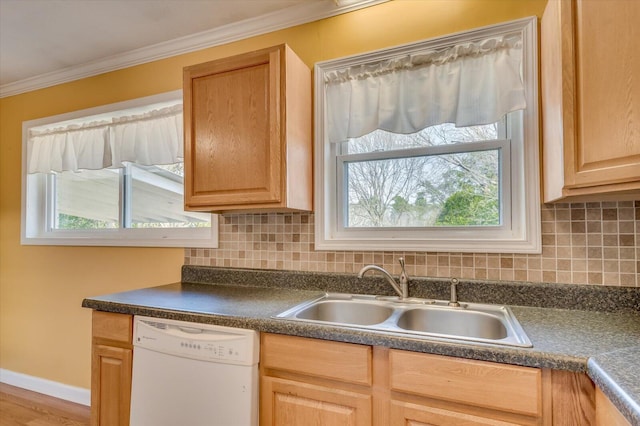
{"points": [[482, 323]]}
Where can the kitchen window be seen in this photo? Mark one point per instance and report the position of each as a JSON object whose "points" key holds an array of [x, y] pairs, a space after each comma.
{"points": [[431, 146], [110, 176]]}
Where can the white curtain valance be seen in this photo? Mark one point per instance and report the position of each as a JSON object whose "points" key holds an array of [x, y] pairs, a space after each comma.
{"points": [[467, 84], [154, 137]]}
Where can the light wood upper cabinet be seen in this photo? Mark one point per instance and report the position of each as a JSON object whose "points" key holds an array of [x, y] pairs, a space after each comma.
{"points": [[247, 133], [591, 100]]}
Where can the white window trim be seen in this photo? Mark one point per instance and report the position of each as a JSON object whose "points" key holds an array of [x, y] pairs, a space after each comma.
{"points": [[33, 220], [525, 237]]}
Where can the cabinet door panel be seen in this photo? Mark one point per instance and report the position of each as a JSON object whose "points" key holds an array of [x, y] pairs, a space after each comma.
{"points": [[407, 414], [289, 403], [111, 386], [231, 122], [608, 92], [591, 100]]}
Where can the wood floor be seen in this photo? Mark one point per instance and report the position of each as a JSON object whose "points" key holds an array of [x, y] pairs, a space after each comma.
{"points": [[19, 407]]}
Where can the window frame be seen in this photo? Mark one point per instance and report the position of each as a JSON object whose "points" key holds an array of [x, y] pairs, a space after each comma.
{"points": [[37, 203], [524, 233]]}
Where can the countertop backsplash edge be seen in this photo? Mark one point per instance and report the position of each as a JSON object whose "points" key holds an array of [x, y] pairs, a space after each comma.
{"points": [[515, 293]]}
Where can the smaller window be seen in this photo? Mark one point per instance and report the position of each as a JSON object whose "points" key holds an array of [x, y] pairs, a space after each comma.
{"points": [[110, 176]]}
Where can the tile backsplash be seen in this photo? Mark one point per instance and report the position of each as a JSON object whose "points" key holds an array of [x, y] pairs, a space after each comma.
{"points": [[582, 243]]}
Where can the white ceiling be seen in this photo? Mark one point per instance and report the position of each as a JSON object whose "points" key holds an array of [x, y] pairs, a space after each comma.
{"points": [[46, 42]]}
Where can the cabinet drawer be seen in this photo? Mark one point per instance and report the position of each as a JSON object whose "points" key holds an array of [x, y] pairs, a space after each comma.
{"points": [[503, 387], [345, 362], [111, 326]]}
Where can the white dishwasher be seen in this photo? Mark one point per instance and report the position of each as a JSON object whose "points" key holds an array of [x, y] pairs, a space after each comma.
{"points": [[192, 374]]}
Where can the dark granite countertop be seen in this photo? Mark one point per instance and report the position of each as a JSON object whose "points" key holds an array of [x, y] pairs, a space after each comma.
{"points": [[604, 344], [618, 375]]}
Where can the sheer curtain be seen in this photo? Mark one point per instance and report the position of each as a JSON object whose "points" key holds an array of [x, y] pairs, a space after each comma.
{"points": [[467, 84], [150, 138]]}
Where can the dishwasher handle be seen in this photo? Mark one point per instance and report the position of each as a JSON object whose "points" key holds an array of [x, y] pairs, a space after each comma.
{"points": [[197, 341], [185, 332], [190, 330]]}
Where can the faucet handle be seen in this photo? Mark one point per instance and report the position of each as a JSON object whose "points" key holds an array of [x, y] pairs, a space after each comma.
{"points": [[404, 279], [453, 300]]}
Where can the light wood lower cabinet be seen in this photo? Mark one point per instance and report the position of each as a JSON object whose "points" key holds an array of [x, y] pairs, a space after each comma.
{"points": [[573, 399], [315, 382], [606, 413], [439, 390], [312, 382], [111, 361]]}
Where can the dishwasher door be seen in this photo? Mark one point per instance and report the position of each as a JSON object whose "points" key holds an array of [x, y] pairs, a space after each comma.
{"points": [[193, 374]]}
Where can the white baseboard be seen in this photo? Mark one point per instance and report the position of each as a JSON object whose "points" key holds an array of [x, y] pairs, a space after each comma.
{"points": [[47, 387]]}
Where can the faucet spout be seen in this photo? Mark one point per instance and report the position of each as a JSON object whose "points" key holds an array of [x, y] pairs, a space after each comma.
{"points": [[402, 289]]}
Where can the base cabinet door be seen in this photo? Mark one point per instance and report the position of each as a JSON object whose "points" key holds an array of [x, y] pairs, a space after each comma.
{"points": [[405, 413], [112, 381], [290, 403], [111, 363], [314, 382]]}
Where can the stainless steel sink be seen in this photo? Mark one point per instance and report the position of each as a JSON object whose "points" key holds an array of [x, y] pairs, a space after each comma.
{"points": [[483, 323], [346, 312], [456, 322]]}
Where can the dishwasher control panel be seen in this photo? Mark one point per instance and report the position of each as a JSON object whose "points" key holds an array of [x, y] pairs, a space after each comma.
{"points": [[197, 341]]}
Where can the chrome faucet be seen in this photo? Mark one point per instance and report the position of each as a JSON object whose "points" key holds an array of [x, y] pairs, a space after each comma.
{"points": [[402, 289]]}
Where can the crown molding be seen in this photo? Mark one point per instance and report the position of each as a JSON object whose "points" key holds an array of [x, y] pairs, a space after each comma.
{"points": [[297, 15]]}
